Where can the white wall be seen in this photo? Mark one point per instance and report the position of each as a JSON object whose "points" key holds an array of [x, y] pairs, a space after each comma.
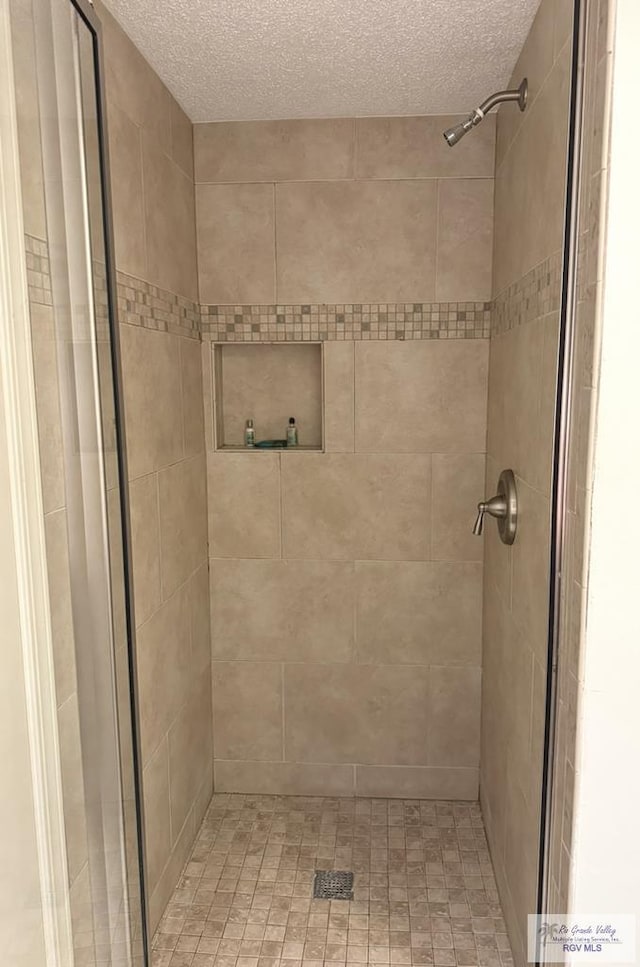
{"points": [[605, 874]]}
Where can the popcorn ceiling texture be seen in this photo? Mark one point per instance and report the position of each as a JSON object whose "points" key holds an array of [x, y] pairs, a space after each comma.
{"points": [[270, 59]]}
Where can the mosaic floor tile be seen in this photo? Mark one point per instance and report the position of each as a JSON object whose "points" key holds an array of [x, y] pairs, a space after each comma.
{"points": [[424, 892]]}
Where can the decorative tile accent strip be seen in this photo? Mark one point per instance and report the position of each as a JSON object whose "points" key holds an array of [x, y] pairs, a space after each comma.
{"points": [[139, 303], [146, 305], [38, 272], [300, 323], [149, 306], [534, 295]]}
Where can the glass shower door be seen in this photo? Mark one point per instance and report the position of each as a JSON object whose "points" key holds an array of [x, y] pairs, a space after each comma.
{"points": [[73, 320]]}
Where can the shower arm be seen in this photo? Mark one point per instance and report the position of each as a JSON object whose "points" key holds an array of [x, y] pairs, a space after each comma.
{"points": [[518, 94]]}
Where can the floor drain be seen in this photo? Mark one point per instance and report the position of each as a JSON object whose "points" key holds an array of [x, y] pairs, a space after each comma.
{"points": [[333, 885]]}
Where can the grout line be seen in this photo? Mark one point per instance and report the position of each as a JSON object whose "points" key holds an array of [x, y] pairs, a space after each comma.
{"points": [[275, 243], [281, 507], [283, 719], [353, 383], [437, 239], [162, 599], [355, 149], [354, 645]]}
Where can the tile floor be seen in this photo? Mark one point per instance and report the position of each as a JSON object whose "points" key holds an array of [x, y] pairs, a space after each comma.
{"points": [[424, 890]]}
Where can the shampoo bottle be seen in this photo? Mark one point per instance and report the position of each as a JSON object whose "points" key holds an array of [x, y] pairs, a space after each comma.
{"points": [[249, 434], [292, 433]]}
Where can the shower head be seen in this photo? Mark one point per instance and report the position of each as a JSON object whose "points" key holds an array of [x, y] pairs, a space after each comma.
{"points": [[458, 131]]}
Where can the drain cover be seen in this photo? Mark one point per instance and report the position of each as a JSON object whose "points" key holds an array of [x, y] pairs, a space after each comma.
{"points": [[333, 885]]}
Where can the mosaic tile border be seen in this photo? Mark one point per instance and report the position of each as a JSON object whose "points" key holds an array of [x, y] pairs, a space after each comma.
{"points": [[149, 306], [142, 304], [320, 322], [534, 295], [139, 303]]}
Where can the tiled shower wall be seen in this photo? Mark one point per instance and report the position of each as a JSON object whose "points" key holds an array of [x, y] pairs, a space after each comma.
{"points": [[530, 192], [346, 585], [150, 143]]}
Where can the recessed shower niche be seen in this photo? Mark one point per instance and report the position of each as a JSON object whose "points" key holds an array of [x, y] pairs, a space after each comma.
{"points": [[268, 383]]}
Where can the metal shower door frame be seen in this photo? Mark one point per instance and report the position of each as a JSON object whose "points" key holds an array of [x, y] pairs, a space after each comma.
{"points": [[560, 463]]}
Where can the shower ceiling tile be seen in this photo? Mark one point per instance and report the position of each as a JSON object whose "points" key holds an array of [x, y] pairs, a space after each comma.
{"points": [[258, 59]]}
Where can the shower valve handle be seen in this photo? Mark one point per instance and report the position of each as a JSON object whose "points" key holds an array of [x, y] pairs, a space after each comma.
{"points": [[496, 507], [504, 507]]}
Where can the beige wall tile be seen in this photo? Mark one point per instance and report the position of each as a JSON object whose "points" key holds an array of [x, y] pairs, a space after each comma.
{"points": [[206, 348], [170, 220], [64, 658], [181, 139], [47, 407], [535, 61], [531, 565], [356, 241], [284, 778], [356, 713], [563, 24], [71, 769], [269, 383], [163, 656], [132, 84], [182, 491], [536, 201], [465, 240], [145, 534], [457, 486], [171, 873], [198, 589], [282, 610], [339, 401], [192, 396], [127, 195], [304, 150], [547, 411], [247, 710], [454, 716], [244, 509], [28, 117], [236, 243], [498, 557], [190, 751], [421, 396], [418, 613], [531, 162], [515, 434], [153, 419], [414, 147], [356, 506], [417, 782], [203, 797], [157, 816]]}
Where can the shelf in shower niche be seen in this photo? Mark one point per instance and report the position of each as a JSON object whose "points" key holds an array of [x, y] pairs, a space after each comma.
{"points": [[268, 383], [241, 449]]}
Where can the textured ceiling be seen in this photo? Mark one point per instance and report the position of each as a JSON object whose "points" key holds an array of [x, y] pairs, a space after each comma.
{"points": [[259, 59]]}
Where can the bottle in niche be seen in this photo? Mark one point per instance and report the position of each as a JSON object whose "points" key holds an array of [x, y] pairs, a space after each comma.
{"points": [[292, 433], [249, 434]]}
